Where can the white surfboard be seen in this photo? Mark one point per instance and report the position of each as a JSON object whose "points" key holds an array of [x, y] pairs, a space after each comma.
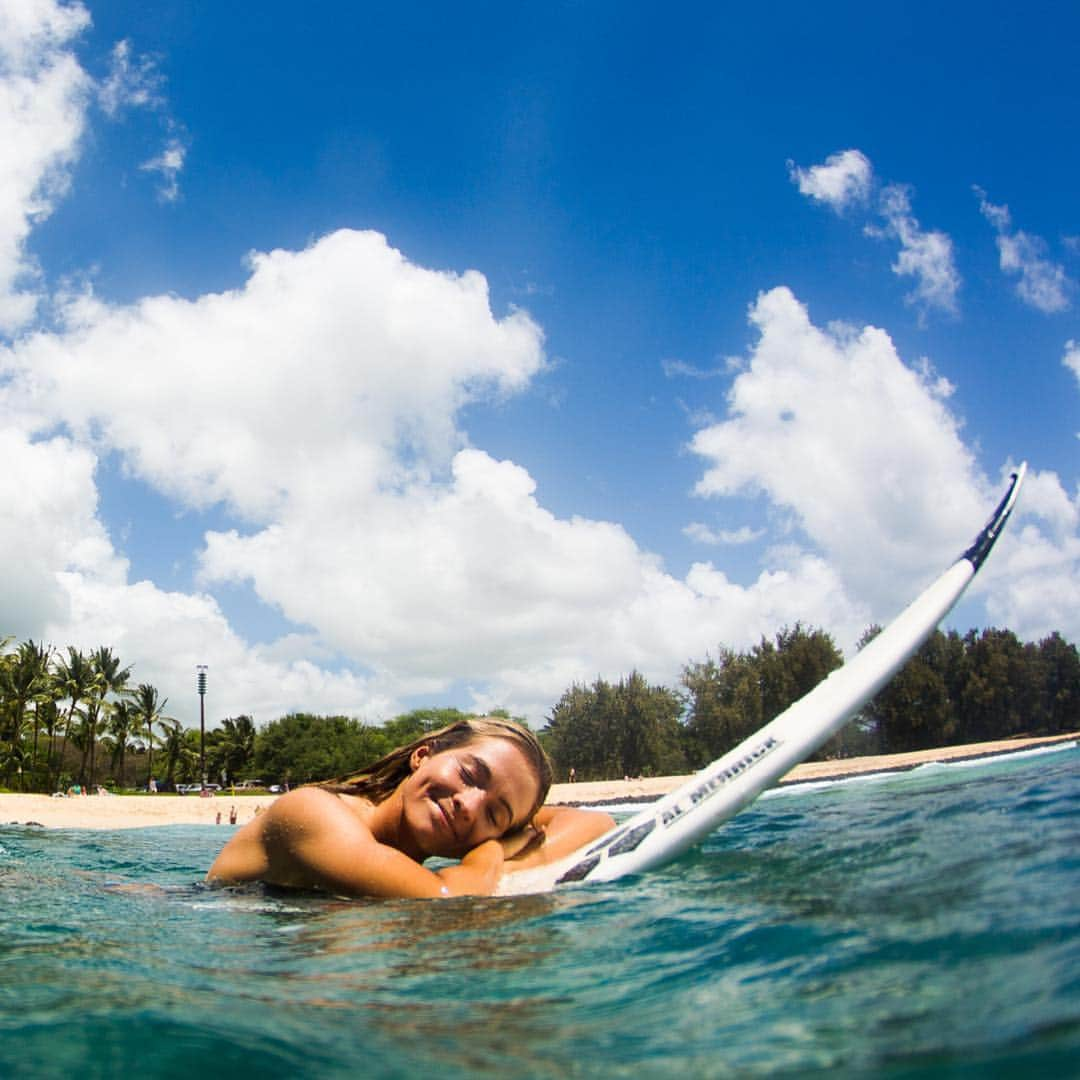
{"points": [[668, 827]]}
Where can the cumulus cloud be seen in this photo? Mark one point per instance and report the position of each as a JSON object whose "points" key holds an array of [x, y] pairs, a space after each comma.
{"points": [[50, 523], [1035, 585], [316, 409], [43, 95], [333, 371], [859, 448], [863, 453], [1042, 284], [843, 180], [319, 402]]}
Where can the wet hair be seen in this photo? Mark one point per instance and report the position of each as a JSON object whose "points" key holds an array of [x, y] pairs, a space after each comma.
{"points": [[381, 779]]}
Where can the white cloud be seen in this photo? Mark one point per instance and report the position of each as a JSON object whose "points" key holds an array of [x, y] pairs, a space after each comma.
{"points": [[925, 256], [1042, 284], [334, 371], [843, 180], [476, 582], [132, 82], [43, 95], [834, 428], [168, 164], [1071, 359], [846, 179], [320, 402], [49, 524], [704, 535], [165, 634]]}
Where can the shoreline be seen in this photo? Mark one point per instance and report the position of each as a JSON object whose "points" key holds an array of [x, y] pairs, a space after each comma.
{"points": [[645, 789], [142, 811]]}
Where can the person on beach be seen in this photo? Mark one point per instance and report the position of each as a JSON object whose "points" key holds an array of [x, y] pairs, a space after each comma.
{"points": [[472, 791]]}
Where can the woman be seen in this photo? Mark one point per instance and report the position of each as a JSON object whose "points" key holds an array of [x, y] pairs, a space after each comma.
{"points": [[472, 791]]}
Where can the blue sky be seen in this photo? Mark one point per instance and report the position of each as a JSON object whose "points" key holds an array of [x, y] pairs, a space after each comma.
{"points": [[450, 355]]}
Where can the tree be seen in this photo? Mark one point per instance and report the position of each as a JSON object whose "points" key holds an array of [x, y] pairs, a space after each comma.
{"points": [[24, 681], [301, 747], [734, 695], [1061, 684], [180, 756], [149, 710], [73, 681], [997, 695], [725, 704], [913, 710], [234, 747], [122, 725], [605, 731], [110, 678]]}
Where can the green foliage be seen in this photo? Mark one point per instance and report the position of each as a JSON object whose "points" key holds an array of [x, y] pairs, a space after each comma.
{"points": [[975, 688], [732, 696], [56, 708], [301, 748], [605, 732]]}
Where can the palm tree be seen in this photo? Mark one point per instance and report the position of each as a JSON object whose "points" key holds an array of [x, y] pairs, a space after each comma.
{"points": [[177, 750], [111, 679], [149, 711], [75, 681], [236, 745], [25, 680], [122, 720]]}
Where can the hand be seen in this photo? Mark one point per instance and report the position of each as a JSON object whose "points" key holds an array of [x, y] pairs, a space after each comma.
{"points": [[521, 841]]}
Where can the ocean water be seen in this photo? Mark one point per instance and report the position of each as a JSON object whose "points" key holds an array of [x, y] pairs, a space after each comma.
{"points": [[921, 924]]}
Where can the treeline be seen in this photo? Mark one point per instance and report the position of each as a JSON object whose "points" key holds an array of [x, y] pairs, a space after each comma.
{"points": [[957, 689], [80, 718]]}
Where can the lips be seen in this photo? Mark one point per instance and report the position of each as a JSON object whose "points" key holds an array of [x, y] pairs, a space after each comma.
{"points": [[445, 818]]}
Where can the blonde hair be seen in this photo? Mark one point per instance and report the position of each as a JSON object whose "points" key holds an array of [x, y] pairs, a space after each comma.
{"points": [[381, 779]]}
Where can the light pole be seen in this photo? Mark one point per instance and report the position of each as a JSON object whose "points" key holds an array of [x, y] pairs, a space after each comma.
{"points": [[201, 669]]}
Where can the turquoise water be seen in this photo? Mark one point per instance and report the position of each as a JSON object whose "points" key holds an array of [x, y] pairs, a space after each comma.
{"points": [[923, 924]]}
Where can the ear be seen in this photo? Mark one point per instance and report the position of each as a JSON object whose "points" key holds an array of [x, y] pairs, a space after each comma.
{"points": [[418, 755]]}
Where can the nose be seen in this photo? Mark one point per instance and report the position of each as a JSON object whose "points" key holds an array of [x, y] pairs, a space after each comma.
{"points": [[468, 803]]}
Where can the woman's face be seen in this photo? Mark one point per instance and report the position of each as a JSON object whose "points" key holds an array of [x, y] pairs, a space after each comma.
{"points": [[458, 798]]}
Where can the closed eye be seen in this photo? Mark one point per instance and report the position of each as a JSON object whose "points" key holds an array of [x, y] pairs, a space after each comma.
{"points": [[476, 773]]}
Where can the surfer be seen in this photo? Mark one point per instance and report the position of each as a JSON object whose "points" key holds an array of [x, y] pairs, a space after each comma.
{"points": [[471, 791]]}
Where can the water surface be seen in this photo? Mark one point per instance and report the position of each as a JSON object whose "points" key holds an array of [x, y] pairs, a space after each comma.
{"points": [[922, 924]]}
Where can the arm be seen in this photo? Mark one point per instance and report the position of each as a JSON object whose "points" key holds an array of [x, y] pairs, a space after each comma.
{"points": [[562, 829], [309, 839]]}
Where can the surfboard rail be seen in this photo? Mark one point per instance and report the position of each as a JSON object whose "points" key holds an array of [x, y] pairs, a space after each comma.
{"points": [[665, 829]]}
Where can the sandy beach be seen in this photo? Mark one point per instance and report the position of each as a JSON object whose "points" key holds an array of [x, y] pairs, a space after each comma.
{"points": [[137, 811]]}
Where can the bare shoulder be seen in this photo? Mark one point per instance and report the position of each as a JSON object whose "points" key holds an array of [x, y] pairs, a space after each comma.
{"points": [[311, 810], [275, 845]]}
